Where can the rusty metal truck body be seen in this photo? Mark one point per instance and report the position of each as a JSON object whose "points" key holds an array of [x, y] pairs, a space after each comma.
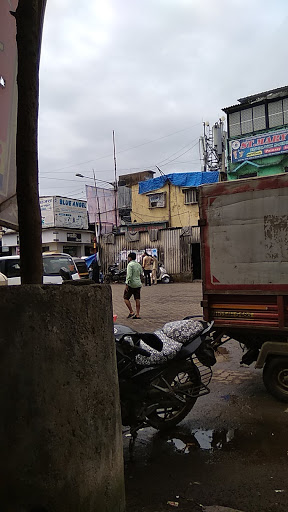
{"points": [[244, 250]]}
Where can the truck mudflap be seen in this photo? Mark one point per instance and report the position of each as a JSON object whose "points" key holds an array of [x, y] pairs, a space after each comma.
{"points": [[271, 348]]}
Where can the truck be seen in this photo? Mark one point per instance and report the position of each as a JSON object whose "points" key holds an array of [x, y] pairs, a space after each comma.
{"points": [[244, 252]]}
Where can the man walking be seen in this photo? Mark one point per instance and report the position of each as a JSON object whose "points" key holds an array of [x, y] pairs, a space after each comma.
{"points": [[133, 285]]}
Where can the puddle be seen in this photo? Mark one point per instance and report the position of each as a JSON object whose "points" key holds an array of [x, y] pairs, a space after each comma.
{"points": [[203, 440]]}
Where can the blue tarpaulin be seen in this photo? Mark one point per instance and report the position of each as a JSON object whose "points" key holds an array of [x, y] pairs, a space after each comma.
{"points": [[181, 179], [89, 260]]}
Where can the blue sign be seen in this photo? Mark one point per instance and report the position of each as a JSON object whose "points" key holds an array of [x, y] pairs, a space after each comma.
{"points": [[259, 146]]}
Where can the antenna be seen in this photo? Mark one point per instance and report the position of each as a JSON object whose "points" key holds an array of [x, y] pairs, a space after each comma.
{"points": [[115, 178]]}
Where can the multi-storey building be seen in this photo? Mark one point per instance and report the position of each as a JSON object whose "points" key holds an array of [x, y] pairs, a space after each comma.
{"points": [[258, 135]]}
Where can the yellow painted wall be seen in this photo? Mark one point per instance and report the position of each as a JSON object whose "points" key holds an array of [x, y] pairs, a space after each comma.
{"points": [[181, 214]]}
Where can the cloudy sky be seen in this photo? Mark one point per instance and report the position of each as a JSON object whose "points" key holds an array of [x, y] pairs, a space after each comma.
{"points": [[153, 71]]}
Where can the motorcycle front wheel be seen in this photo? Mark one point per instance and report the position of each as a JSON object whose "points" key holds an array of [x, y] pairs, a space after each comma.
{"points": [[169, 415]]}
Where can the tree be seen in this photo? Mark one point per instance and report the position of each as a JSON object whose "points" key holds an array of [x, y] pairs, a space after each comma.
{"points": [[29, 21]]}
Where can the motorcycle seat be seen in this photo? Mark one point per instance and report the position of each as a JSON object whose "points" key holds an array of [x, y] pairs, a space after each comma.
{"points": [[173, 336]]}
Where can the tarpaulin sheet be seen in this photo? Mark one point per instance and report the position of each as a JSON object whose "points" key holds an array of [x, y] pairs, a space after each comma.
{"points": [[181, 179]]}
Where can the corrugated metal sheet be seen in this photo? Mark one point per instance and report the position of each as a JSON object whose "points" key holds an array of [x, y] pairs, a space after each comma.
{"points": [[173, 245]]}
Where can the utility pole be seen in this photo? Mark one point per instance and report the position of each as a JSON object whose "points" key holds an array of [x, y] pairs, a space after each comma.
{"points": [[29, 21], [98, 233], [115, 179]]}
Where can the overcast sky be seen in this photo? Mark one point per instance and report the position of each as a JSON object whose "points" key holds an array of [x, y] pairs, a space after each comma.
{"points": [[153, 71]]}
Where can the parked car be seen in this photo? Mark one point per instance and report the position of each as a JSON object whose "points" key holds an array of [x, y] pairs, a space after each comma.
{"points": [[81, 268], [52, 263]]}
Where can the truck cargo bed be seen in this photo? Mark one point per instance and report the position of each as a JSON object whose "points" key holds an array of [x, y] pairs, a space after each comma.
{"points": [[244, 246]]}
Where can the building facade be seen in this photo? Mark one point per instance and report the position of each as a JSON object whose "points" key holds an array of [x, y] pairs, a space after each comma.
{"points": [[257, 142], [77, 243], [172, 199], [64, 228]]}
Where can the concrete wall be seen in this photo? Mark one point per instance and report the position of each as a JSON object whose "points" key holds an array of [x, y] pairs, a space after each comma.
{"points": [[60, 429], [181, 214]]}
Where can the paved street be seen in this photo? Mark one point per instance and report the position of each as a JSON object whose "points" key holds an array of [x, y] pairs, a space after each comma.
{"points": [[231, 451]]}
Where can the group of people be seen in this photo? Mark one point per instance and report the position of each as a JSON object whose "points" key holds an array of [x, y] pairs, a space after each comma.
{"points": [[133, 280]]}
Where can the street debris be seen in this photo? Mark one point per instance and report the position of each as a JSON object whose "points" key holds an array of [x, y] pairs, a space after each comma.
{"points": [[216, 508], [279, 490], [173, 503]]}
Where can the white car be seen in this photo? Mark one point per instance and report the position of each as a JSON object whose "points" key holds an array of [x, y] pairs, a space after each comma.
{"points": [[52, 263]]}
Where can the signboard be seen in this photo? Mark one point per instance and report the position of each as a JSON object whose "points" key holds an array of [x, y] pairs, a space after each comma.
{"points": [[8, 118], [139, 254], [102, 209], [47, 212], [63, 212], [260, 146], [73, 237]]}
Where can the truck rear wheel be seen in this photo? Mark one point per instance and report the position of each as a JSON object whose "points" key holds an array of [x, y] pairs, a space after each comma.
{"points": [[275, 377]]}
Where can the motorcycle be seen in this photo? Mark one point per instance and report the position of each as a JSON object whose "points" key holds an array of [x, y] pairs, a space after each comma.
{"points": [[162, 274], [115, 275], [162, 374]]}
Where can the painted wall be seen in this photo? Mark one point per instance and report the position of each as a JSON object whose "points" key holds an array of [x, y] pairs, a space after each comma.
{"points": [[181, 214], [273, 165]]}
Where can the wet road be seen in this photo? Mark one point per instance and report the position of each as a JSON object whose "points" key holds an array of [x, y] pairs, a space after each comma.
{"points": [[232, 449]]}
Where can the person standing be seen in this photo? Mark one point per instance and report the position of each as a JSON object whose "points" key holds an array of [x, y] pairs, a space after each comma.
{"points": [[147, 267], [133, 285], [154, 270], [96, 267]]}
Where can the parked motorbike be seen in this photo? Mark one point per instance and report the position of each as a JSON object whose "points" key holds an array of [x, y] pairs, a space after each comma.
{"points": [[162, 274], [162, 374], [115, 275]]}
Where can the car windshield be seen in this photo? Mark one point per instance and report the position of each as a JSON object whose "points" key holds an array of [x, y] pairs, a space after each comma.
{"points": [[52, 265]]}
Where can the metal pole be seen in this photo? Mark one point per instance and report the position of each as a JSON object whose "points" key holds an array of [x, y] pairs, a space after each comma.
{"points": [[115, 179], [97, 232]]}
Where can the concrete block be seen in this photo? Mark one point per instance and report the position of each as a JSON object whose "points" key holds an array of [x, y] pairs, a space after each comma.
{"points": [[60, 429]]}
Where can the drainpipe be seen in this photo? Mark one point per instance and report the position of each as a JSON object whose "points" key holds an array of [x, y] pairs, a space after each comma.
{"points": [[169, 202]]}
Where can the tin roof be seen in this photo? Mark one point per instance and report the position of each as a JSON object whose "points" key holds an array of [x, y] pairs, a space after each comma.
{"points": [[261, 96]]}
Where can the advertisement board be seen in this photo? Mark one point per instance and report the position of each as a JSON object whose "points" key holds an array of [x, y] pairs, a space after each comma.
{"points": [[63, 212], [259, 146]]}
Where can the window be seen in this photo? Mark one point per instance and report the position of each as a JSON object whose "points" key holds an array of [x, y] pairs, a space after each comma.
{"points": [[248, 120], [157, 200], [278, 113], [259, 118], [234, 124], [190, 196], [12, 268], [52, 264]]}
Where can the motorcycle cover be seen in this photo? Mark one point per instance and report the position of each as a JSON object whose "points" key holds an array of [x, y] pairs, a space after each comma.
{"points": [[173, 335]]}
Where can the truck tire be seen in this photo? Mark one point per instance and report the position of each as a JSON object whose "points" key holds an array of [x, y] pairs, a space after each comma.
{"points": [[275, 377]]}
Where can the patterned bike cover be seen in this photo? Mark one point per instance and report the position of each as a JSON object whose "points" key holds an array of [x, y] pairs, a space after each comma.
{"points": [[173, 335]]}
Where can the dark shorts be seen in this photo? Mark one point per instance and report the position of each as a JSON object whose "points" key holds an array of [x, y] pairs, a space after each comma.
{"points": [[132, 291]]}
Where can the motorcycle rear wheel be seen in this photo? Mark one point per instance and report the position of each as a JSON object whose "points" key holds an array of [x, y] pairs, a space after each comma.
{"points": [[166, 417]]}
